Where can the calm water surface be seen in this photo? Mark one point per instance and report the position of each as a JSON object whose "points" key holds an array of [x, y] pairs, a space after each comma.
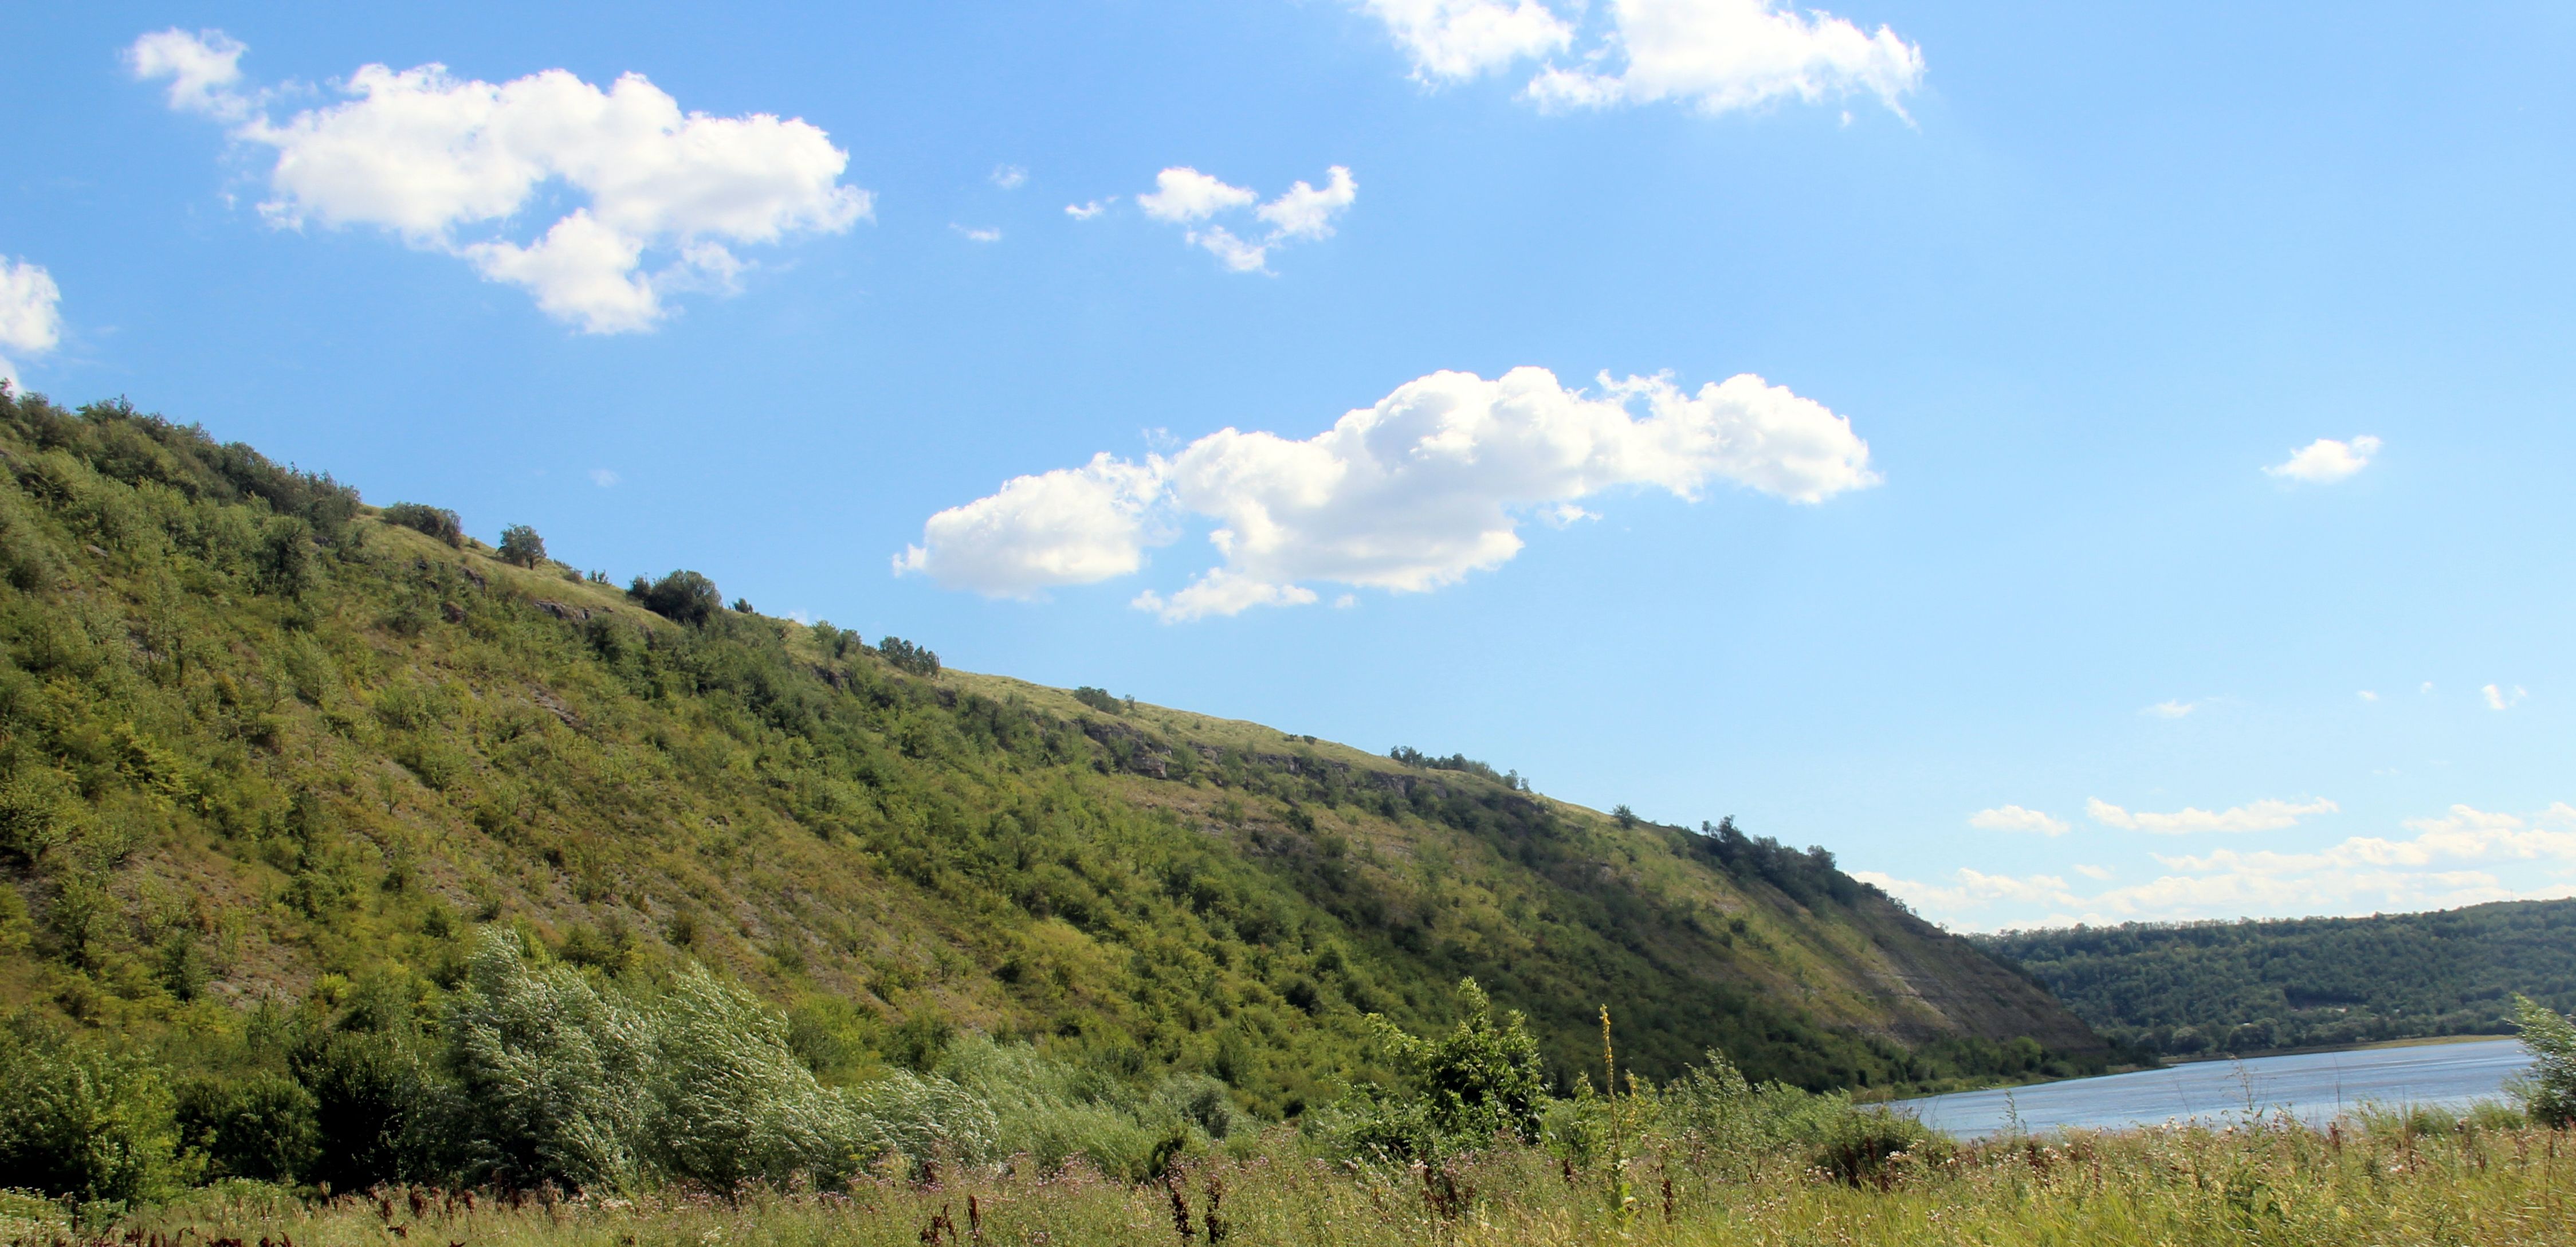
{"points": [[2315, 1087]]}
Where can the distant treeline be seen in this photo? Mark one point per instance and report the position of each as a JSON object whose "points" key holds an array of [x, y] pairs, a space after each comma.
{"points": [[1808, 876], [2252, 986], [1410, 756]]}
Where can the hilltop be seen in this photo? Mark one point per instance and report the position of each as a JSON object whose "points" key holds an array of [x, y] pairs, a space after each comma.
{"points": [[2250, 986], [261, 742]]}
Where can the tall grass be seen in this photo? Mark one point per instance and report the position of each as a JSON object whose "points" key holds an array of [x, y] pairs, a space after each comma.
{"points": [[2269, 1182]]}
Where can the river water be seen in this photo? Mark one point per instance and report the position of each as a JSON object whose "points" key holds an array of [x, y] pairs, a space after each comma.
{"points": [[2315, 1087]]}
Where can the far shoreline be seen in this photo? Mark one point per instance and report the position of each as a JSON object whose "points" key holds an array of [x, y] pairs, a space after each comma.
{"points": [[2424, 1041]]}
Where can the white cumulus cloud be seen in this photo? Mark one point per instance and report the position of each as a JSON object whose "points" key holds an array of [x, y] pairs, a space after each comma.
{"points": [[1182, 195], [1186, 197], [1065, 527], [1415, 492], [2255, 816], [1715, 55], [31, 320], [452, 164], [1086, 211], [2502, 698], [1450, 40], [2015, 818], [2325, 460]]}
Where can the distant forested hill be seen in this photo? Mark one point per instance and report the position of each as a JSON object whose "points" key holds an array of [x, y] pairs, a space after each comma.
{"points": [[2249, 986], [263, 747]]}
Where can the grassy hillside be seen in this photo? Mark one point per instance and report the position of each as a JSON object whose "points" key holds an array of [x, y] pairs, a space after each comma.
{"points": [[2250, 986], [262, 743]]}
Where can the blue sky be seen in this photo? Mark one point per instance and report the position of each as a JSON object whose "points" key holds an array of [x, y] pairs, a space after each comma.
{"points": [[1979, 577]]}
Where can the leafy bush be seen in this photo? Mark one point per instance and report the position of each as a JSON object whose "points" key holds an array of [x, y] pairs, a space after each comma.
{"points": [[2548, 1090], [438, 522], [907, 656], [1099, 699], [522, 547], [82, 1122], [380, 1112], [286, 557], [1482, 1080], [1052, 1111], [682, 597], [259, 1126]]}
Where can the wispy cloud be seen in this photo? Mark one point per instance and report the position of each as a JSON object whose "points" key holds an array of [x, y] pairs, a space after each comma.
{"points": [[1715, 56], [2465, 857], [2170, 709], [1010, 177], [603, 477], [977, 233], [1086, 211], [2015, 818], [2253, 816], [2501, 698]]}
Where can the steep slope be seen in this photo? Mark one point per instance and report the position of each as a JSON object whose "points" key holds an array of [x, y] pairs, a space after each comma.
{"points": [[259, 742], [2250, 986]]}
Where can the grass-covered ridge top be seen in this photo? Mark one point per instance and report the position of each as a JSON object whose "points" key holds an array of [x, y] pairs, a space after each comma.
{"points": [[257, 743]]}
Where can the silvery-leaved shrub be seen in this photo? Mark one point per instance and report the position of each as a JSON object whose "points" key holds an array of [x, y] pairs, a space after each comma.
{"points": [[730, 1101], [554, 1073], [920, 1117], [2548, 1090]]}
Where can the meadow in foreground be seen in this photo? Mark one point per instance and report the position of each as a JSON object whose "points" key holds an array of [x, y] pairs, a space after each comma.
{"points": [[2398, 1179], [573, 1118]]}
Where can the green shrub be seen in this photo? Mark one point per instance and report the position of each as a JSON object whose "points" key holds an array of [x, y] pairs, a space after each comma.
{"points": [[259, 1126], [286, 557], [1482, 1080], [438, 522], [682, 597], [2548, 1090], [81, 1122], [379, 1112], [1099, 699], [522, 547], [1861, 1146]]}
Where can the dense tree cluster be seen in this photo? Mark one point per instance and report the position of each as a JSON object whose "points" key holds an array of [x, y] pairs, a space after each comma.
{"points": [[438, 522], [906, 656], [2249, 986], [681, 597], [1406, 755]]}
